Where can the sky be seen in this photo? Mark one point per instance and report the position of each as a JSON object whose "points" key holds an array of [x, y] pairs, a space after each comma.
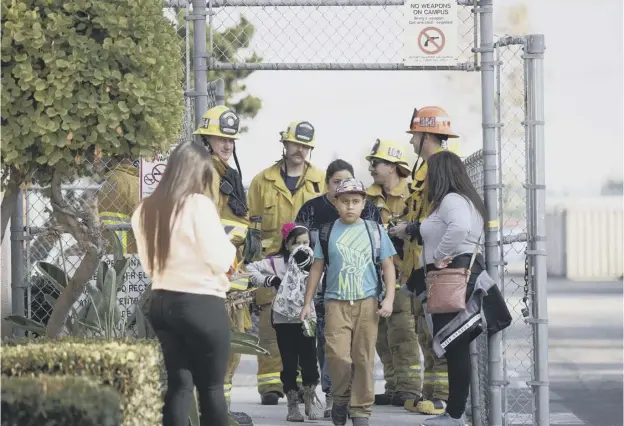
{"points": [[350, 109]]}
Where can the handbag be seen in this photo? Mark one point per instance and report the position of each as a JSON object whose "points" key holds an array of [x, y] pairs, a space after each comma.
{"points": [[446, 288]]}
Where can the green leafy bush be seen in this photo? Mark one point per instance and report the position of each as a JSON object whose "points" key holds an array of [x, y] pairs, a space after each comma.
{"points": [[86, 77], [132, 368], [58, 401]]}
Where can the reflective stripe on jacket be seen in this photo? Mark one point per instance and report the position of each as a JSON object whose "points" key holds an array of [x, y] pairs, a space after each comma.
{"points": [[392, 206]]}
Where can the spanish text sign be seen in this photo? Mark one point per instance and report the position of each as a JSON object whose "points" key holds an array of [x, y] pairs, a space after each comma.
{"points": [[430, 33], [151, 172]]}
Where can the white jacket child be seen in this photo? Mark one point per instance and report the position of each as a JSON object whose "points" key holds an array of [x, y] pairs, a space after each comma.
{"points": [[290, 280]]}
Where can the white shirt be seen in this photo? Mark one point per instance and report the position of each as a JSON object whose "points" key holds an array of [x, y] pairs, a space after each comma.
{"points": [[200, 252]]}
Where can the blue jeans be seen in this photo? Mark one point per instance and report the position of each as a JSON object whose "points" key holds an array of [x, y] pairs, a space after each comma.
{"points": [[320, 349]]}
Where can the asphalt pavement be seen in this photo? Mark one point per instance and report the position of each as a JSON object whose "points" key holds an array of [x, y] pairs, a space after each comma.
{"points": [[585, 351], [585, 363]]}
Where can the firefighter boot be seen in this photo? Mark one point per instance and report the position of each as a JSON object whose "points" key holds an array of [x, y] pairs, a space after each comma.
{"points": [[360, 421], [399, 398], [329, 401], [444, 420], [384, 398], [310, 399], [431, 407], [271, 398], [294, 415]]}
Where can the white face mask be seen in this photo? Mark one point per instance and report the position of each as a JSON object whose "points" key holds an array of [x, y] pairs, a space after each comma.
{"points": [[294, 249]]}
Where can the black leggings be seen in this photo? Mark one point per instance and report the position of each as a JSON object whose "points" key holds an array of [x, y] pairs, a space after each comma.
{"points": [[458, 363], [296, 350], [194, 333]]}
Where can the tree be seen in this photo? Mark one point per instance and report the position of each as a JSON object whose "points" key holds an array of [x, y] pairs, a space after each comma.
{"points": [[228, 45], [612, 187], [83, 79]]}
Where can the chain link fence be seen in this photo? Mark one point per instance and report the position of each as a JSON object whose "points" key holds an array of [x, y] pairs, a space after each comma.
{"points": [[479, 402], [518, 356], [329, 34], [118, 192], [517, 278]]}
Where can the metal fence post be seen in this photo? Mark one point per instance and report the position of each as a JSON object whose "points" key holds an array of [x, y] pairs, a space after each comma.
{"points": [[475, 392], [491, 188], [200, 89], [219, 91], [18, 281], [536, 194]]}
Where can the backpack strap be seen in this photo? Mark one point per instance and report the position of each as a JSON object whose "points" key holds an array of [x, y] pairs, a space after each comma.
{"points": [[273, 265], [375, 252], [324, 232]]}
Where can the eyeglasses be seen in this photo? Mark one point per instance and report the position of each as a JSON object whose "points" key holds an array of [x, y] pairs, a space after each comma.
{"points": [[375, 162]]}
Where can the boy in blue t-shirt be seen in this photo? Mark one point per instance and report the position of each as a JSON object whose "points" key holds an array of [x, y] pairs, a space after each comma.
{"points": [[352, 306]]}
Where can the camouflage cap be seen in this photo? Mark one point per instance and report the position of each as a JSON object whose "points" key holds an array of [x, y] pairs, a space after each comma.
{"points": [[350, 186]]}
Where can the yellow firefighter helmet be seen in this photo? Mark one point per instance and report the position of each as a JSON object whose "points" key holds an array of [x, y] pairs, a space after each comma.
{"points": [[299, 132], [219, 121], [392, 152]]}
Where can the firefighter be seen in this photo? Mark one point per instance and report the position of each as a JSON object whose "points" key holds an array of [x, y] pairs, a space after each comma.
{"points": [[430, 128], [276, 194], [117, 200], [397, 344], [219, 129]]}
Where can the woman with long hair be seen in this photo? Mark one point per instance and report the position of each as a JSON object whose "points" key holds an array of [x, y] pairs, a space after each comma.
{"points": [[450, 232], [185, 251]]}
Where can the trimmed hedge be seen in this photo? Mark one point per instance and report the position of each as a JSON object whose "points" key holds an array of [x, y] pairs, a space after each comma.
{"points": [[58, 401], [132, 367]]}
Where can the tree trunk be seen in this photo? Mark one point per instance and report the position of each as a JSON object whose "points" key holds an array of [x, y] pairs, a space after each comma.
{"points": [[72, 292], [9, 201], [84, 226]]}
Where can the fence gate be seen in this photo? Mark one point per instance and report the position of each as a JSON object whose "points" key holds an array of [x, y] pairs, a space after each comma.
{"points": [[510, 380], [512, 367]]}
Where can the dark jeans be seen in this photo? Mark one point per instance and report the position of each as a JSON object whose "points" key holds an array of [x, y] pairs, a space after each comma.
{"points": [[194, 333], [296, 350]]}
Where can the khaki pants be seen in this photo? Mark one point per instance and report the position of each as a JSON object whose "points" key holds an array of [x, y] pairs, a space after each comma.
{"points": [[435, 383], [350, 336], [398, 348]]}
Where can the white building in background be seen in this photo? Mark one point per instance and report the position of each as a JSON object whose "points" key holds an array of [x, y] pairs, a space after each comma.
{"points": [[585, 238]]}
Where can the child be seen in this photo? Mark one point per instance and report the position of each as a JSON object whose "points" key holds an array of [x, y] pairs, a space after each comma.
{"points": [[353, 246], [288, 273]]}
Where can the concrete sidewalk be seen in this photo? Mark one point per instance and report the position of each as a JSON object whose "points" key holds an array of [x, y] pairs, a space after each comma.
{"points": [[246, 399]]}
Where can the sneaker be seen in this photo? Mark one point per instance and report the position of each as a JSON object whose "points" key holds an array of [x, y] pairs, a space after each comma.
{"points": [[270, 398], [360, 421], [339, 414], [242, 419], [444, 420]]}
